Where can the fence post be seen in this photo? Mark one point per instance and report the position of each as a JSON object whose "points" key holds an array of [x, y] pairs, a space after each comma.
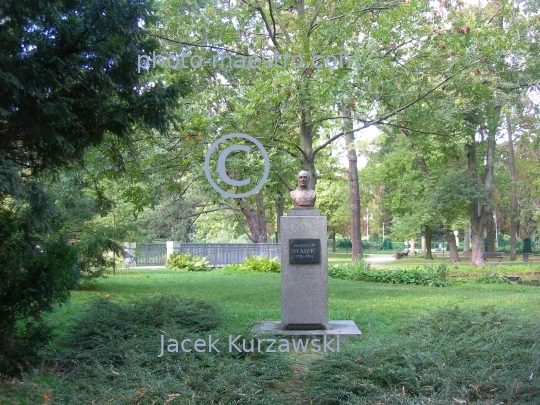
{"points": [[172, 246], [129, 254]]}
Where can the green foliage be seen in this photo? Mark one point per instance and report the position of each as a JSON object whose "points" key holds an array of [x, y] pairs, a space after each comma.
{"points": [[337, 210], [343, 243], [68, 76], [452, 355], [219, 227], [349, 271], [107, 321], [494, 279], [96, 216], [424, 256], [260, 264], [442, 269], [74, 377], [232, 267], [94, 251], [184, 261], [464, 189], [362, 271], [37, 270]]}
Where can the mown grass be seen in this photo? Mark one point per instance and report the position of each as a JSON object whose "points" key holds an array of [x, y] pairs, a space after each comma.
{"points": [[404, 344]]}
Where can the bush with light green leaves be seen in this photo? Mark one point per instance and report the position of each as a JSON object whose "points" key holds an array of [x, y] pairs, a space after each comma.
{"points": [[184, 261], [261, 264]]}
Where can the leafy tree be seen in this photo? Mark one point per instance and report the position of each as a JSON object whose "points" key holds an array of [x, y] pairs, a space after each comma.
{"points": [[36, 266], [295, 111], [67, 77], [462, 118], [335, 209]]}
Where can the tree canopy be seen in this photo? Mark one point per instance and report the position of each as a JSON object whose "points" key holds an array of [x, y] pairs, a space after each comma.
{"points": [[67, 79]]}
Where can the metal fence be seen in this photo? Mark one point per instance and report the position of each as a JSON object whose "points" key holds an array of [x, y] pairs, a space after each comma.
{"points": [[344, 245], [150, 254], [222, 254]]}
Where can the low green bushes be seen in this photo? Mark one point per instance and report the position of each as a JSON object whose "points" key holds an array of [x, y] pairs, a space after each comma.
{"points": [[184, 261], [260, 264], [361, 270], [494, 279]]}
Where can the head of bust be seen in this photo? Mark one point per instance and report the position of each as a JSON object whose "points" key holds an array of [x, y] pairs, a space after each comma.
{"points": [[303, 197], [303, 179]]}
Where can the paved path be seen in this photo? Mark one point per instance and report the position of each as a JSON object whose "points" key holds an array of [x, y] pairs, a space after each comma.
{"points": [[376, 258]]}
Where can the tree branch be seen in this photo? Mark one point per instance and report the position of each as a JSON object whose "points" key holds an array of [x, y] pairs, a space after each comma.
{"points": [[199, 45], [327, 119], [312, 24], [403, 127], [284, 180], [383, 118], [272, 17]]}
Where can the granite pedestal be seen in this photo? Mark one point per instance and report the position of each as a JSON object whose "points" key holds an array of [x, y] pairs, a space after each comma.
{"points": [[304, 281], [304, 270]]}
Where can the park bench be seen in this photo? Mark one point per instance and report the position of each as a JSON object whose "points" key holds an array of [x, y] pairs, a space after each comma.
{"points": [[491, 255], [402, 254]]}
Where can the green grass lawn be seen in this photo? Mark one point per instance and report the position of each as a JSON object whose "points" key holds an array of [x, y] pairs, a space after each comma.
{"points": [[251, 297], [243, 299]]}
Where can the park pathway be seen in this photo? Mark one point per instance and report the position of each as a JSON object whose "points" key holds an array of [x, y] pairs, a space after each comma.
{"points": [[378, 258]]}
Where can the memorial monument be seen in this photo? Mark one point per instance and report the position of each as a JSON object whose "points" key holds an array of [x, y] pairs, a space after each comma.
{"points": [[304, 262], [304, 270]]}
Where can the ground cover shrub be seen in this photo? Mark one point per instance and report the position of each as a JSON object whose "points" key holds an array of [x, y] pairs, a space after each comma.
{"points": [[351, 270], [231, 267], [494, 279], [360, 270], [184, 261], [260, 264], [112, 357], [450, 356], [442, 269]]}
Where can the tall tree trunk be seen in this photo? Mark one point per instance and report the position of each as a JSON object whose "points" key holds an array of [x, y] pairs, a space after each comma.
{"points": [[478, 210], [429, 237], [306, 144], [451, 239], [477, 215], [279, 214], [490, 229], [256, 219], [477, 242], [513, 178], [354, 189]]}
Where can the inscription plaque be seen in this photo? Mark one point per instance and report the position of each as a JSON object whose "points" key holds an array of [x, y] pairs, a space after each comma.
{"points": [[304, 251]]}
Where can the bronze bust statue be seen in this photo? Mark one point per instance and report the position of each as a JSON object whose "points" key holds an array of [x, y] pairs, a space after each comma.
{"points": [[303, 197]]}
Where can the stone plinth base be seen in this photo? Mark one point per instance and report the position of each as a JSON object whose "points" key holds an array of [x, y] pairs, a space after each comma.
{"points": [[304, 270], [343, 329]]}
